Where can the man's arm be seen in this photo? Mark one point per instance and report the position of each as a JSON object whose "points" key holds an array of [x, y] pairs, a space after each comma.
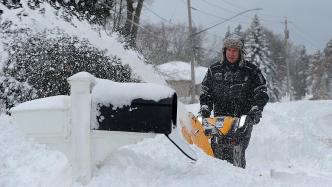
{"points": [[260, 96], [260, 90]]}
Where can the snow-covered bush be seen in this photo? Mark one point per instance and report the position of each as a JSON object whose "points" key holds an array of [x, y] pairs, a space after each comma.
{"points": [[46, 63], [13, 92]]}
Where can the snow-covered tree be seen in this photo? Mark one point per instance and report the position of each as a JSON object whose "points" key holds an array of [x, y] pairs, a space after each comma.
{"points": [[328, 61], [319, 77], [238, 30], [228, 32], [259, 54], [300, 73]]}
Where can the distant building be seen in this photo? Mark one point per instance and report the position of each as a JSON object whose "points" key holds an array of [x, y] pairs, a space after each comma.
{"points": [[178, 76]]}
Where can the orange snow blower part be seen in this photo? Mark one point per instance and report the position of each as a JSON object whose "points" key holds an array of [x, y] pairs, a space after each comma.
{"points": [[197, 136]]}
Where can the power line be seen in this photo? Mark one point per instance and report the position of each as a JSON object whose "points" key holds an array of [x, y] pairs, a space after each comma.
{"points": [[154, 34], [138, 25], [224, 21], [304, 36], [218, 6], [269, 21], [154, 13], [193, 8], [207, 13], [234, 5]]}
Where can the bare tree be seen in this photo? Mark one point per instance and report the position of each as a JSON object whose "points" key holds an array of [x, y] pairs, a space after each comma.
{"points": [[132, 21], [161, 43]]}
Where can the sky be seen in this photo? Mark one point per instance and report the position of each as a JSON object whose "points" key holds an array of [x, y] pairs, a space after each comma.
{"points": [[309, 20]]}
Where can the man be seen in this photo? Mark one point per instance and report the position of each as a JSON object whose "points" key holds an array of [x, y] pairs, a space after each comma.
{"points": [[233, 87]]}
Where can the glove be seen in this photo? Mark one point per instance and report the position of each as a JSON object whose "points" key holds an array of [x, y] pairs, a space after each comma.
{"points": [[209, 130], [255, 114], [204, 111]]}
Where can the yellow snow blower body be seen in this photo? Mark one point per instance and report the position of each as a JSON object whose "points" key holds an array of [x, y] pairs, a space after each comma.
{"points": [[196, 135]]}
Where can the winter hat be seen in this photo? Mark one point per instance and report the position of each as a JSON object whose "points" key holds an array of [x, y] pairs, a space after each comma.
{"points": [[234, 41]]}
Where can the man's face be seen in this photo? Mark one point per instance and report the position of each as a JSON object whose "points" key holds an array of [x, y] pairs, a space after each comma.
{"points": [[232, 54]]}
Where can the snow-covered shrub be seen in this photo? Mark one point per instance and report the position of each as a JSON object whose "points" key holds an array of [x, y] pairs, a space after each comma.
{"points": [[13, 92], [46, 62]]}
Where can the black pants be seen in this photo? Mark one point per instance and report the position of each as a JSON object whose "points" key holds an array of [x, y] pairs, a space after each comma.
{"points": [[232, 149]]}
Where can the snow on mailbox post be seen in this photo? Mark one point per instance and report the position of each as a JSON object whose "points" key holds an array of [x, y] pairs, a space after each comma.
{"points": [[98, 117]]}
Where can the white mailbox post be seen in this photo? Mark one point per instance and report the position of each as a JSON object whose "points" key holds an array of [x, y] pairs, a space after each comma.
{"points": [[80, 113]]}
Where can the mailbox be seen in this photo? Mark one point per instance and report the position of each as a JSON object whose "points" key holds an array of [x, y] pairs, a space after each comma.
{"points": [[142, 115]]}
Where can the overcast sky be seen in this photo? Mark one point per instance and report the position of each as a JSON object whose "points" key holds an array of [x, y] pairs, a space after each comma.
{"points": [[310, 21]]}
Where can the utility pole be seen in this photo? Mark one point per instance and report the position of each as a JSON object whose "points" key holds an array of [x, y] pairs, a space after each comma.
{"points": [[192, 56], [286, 59]]}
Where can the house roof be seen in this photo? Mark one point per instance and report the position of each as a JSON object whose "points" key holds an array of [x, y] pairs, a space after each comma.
{"points": [[178, 70]]}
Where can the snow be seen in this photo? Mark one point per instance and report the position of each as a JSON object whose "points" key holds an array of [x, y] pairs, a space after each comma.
{"points": [[292, 146], [25, 163], [54, 102], [177, 70], [119, 94], [82, 76]]}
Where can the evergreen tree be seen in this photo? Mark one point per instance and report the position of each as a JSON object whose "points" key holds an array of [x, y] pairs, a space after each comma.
{"points": [[276, 46], [328, 60], [228, 32], [238, 30], [318, 78], [300, 74], [259, 54]]}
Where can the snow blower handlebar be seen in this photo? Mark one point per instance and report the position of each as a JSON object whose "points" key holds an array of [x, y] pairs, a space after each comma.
{"points": [[223, 125]]}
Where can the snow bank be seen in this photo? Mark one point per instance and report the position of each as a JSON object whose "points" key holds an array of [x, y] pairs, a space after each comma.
{"points": [[294, 138], [25, 163]]}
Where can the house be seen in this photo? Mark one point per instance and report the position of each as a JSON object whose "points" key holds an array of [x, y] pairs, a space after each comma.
{"points": [[178, 76]]}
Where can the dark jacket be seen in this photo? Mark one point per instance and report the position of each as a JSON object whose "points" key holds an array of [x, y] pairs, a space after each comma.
{"points": [[233, 89]]}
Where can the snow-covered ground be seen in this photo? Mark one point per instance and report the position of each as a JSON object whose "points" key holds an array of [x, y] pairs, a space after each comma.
{"points": [[292, 146]]}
